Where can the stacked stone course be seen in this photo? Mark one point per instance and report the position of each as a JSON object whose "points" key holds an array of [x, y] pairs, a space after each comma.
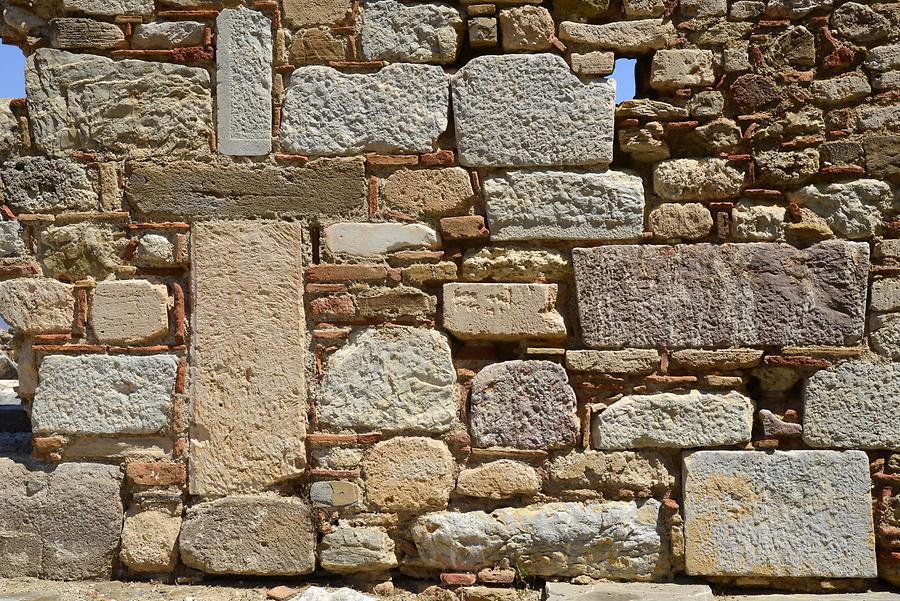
{"points": [[373, 288]]}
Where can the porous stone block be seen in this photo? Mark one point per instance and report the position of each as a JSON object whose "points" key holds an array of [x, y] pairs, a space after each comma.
{"points": [[499, 479], [728, 295], [598, 62], [528, 28], [790, 514], [849, 87], [244, 82], [430, 192], [669, 420], [411, 33], [854, 209], [81, 249], [559, 205], [109, 8], [483, 32], [150, 541], [374, 239], [128, 311], [400, 109], [37, 305], [885, 295], [673, 69], [729, 359], [300, 13], [853, 406], [20, 537], [502, 311], [42, 185], [754, 222], [104, 394], [624, 37], [627, 361], [776, 168], [10, 135], [317, 46], [626, 591], [78, 33], [672, 222], [335, 493], [515, 264], [391, 378], [409, 475], [696, 179], [621, 540], [350, 550], [859, 23], [249, 388], [250, 535], [544, 415], [171, 34], [613, 474], [531, 111]]}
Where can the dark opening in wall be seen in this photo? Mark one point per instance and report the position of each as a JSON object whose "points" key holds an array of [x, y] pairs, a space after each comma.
{"points": [[624, 74], [13, 418], [12, 72]]}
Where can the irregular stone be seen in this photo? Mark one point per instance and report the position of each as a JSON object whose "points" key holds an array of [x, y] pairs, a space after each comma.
{"points": [[611, 473], [885, 337], [628, 37], [544, 415], [390, 379], [409, 475], [81, 249], [854, 209], [335, 493], [21, 498], [11, 244], [150, 541], [531, 111], [775, 427], [154, 250], [752, 92], [243, 85], [638, 9], [489, 593], [859, 23], [886, 81], [374, 239], [598, 62], [674, 222], [315, 593], [646, 143], [878, 118], [499, 479], [502, 311], [483, 32], [696, 179], [793, 9], [754, 222], [794, 47], [776, 168], [187, 190], [401, 304], [253, 436], [646, 108], [410, 33], [883, 58], [21, 20], [10, 135], [42, 185], [669, 420], [579, 10], [247, 535], [350, 550], [703, 8], [129, 311], [673, 69], [846, 88], [782, 498], [747, 10], [109, 8], [172, 34], [560, 205], [727, 295], [627, 591], [515, 264], [75, 103], [104, 394], [529, 28], [299, 13], [37, 305], [400, 109], [430, 192], [621, 540], [719, 135], [628, 361], [720, 360], [73, 34], [709, 103], [317, 46]]}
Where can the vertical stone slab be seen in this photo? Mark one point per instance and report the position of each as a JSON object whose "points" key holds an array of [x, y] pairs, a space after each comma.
{"points": [[248, 388], [244, 82]]}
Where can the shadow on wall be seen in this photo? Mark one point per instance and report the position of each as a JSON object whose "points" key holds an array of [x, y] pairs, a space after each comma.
{"points": [[12, 72]]}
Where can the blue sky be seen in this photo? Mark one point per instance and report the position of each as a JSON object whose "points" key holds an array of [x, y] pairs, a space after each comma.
{"points": [[624, 76], [12, 72]]}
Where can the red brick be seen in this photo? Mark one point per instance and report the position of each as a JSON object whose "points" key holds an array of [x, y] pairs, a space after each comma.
{"points": [[438, 158], [340, 305], [156, 474], [458, 578], [470, 227], [351, 273]]}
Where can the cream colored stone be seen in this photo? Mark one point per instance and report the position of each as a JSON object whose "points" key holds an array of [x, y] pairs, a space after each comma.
{"points": [[432, 192], [502, 311], [150, 541], [721, 359], [374, 239], [516, 264], [409, 475], [499, 479], [528, 28], [674, 221], [129, 311], [299, 13], [37, 305], [627, 361]]}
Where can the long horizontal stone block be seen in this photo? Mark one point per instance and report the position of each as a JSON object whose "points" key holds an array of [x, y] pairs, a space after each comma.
{"points": [[702, 295], [626, 591], [502, 311], [412, 33]]}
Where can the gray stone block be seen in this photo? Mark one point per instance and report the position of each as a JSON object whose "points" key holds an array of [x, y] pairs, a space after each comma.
{"points": [[42, 185], [109, 8], [350, 550], [412, 33], [626, 591]]}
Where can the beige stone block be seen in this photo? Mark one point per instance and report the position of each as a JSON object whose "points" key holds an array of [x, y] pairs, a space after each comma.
{"points": [[721, 359], [298, 13], [409, 475], [129, 311], [502, 311], [37, 305], [499, 479], [627, 361], [150, 541], [432, 192]]}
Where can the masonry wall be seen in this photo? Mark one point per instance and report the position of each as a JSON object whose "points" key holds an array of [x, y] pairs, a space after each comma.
{"points": [[381, 287]]}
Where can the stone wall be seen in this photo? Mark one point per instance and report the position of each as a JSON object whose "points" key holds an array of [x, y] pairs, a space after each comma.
{"points": [[369, 287]]}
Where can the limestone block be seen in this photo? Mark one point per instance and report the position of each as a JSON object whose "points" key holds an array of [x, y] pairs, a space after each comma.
{"points": [[299, 13], [391, 378], [317, 46], [621, 540], [502, 311], [859, 23], [529, 28], [883, 58], [727, 295], [21, 496], [42, 185], [719, 360], [669, 420], [598, 62], [412, 33], [400, 109], [674, 222], [560, 205], [696, 179], [647, 108], [854, 209], [674, 69], [77, 33], [172, 34], [627, 591], [885, 337], [754, 222], [612, 473], [109, 8], [154, 250], [128, 311], [374, 239], [349, 550], [430, 192], [483, 32], [150, 541], [852, 406], [776, 168], [515, 264], [249, 535], [885, 295], [531, 111], [81, 249], [11, 244], [499, 479], [624, 37], [523, 404], [409, 475], [244, 82], [249, 388], [849, 87], [787, 500], [104, 394], [37, 305], [881, 118], [627, 361]]}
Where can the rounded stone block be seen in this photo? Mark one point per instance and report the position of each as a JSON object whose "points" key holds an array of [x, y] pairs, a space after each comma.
{"points": [[409, 475]]}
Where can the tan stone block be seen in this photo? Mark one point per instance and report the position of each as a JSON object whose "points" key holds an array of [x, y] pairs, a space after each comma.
{"points": [[502, 311], [129, 311], [316, 46], [432, 192], [499, 479], [409, 475], [627, 361], [150, 541], [527, 28], [37, 305], [299, 13], [722, 359]]}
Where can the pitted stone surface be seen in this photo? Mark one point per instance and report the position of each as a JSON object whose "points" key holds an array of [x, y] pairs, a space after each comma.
{"points": [[629, 37], [504, 264], [621, 540], [610, 473], [502, 311], [626, 361], [412, 33], [531, 111], [499, 479], [409, 475], [172, 34], [350, 550], [42, 185], [696, 179], [853, 406], [104, 394], [523, 404], [853, 209], [109, 8], [560, 205], [670, 420], [128, 311], [431, 192], [400, 109], [391, 378], [246, 535], [777, 506], [150, 541], [726, 295], [10, 136], [37, 305], [19, 530]]}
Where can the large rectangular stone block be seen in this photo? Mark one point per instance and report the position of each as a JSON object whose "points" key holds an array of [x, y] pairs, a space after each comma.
{"points": [[249, 341], [790, 514], [502, 311], [704, 295]]}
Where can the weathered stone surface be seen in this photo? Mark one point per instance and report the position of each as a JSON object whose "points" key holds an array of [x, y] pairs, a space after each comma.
{"points": [[299, 13], [411, 33], [42, 185], [350, 550], [75, 103], [859, 23], [128, 311], [515, 264], [755, 222], [778, 505], [184, 190], [392, 378], [776, 168], [613, 473], [696, 179], [598, 62], [671, 222], [499, 479], [77, 33], [20, 535], [885, 337], [243, 82], [150, 541], [104, 394], [317, 46], [628, 361], [37, 305], [638, 9], [844, 88], [502, 311], [523, 404], [265, 536], [249, 389], [577, 10], [626, 37], [172, 34], [650, 109], [430, 192], [10, 136], [11, 244], [561, 205], [673, 69], [409, 475], [669, 420], [335, 493], [775, 427], [531, 111], [483, 32], [81, 249], [627, 591], [374, 239], [401, 108], [109, 8], [854, 209], [529, 28], [720, 360], [621, 540], [729, 295]]}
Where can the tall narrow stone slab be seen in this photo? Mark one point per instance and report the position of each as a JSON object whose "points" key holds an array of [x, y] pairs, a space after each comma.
{"points": [[784, 514], [244, 82], [701, 295], [249, 388]]}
